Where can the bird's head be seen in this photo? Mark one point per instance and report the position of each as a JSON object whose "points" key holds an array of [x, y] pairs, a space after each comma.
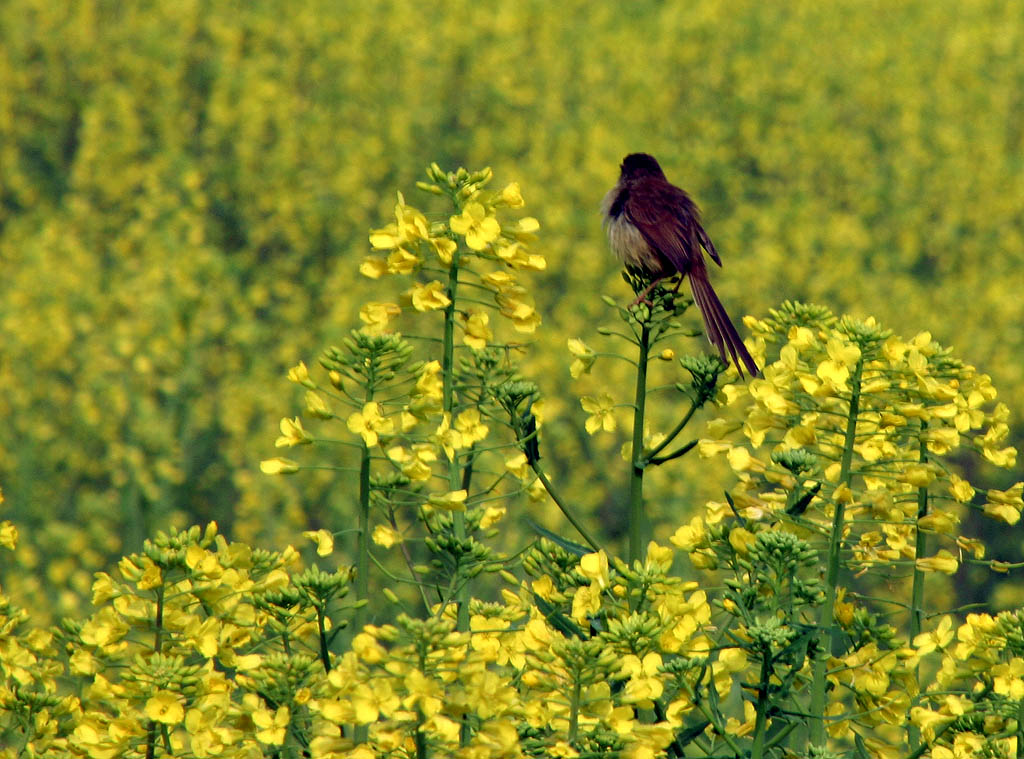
{"points": [[637, 165]]}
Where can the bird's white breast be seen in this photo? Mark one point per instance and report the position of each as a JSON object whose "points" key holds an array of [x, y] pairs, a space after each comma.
{"points": [[625, 240]]}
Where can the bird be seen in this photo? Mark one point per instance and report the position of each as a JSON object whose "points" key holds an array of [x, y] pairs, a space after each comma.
{"points": [[654, 229]]}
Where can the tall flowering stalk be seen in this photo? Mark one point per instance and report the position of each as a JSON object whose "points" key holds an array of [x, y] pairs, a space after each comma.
{"points": [[651, 326], [851, 437], [426, 410]]}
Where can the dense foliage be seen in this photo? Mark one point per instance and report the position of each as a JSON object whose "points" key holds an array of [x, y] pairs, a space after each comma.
{"points": [[186, 191], [847, 483]]}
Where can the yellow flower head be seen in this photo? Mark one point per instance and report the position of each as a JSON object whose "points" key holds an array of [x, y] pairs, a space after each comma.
{"points": [[323, 539], [377, 316], [600, 409], [477, 333], [469, 425], [584, 357], [292, 433], [369, 422], [476, 225], [429, 297], [278, 466]]}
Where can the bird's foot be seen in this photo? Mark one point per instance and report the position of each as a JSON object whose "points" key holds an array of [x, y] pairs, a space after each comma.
{"points": [[642, 297]]}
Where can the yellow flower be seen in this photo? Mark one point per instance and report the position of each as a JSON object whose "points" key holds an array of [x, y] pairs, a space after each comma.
{"points": [[165, 707], [8, 535], [643, 684], [449, 439], [471, 428], [300, 375], [585, 357], [410, 226], [1002, 457], [401, 261], [478, 228], [600, 410], [385, 536], [525, 228], [415, 464], [452, 501], [511, 196], [943, 561], [514, 307], [518, 465], [960, 489], [741, 540], [444, 248], [429, 297], [477, 333], [278, 466], [373, 267], [842, 352], [323, 539], [928, 720], [833, 372], [518, 257], [594, 567], [377, 316], [586, 601], [690, 537], [918, 475], [500, 281], [272, 725], [492, 515], [423, 691], [369, 422], [936, 639], [292, 433], [317, 406]]}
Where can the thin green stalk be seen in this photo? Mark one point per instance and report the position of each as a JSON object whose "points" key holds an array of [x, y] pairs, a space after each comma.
{"points": [[1020, 731], [637, 526], [454, 475], [761, 709], [539, 471], [818, 736], [363, 550], [158, 642], [574, 713], [325, 655], [672, 435], [421, 738], [917, 591], [359, 618]]}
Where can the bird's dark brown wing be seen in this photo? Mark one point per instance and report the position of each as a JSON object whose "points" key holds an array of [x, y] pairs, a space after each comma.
{"points": [[670, 222]]}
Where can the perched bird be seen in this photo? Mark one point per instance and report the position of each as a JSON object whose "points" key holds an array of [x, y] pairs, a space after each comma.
{"points": [[654, 229]]}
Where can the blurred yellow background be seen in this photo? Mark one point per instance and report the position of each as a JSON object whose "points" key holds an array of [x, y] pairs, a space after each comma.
{"points": [[186, 190]]}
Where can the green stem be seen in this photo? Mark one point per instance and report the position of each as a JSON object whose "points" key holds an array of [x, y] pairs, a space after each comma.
{"points": [[917, 591], [818, 736], [325, 656], [158, 638], [637, 526], [672, 435], [363, 552], [362, 584], [761, 721], [539, 471], [420, 738], [574, 713], [454, 478], [1020, 731]]}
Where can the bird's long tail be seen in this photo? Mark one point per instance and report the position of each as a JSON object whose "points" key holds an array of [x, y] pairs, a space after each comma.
{"points": [[719, 328]]}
